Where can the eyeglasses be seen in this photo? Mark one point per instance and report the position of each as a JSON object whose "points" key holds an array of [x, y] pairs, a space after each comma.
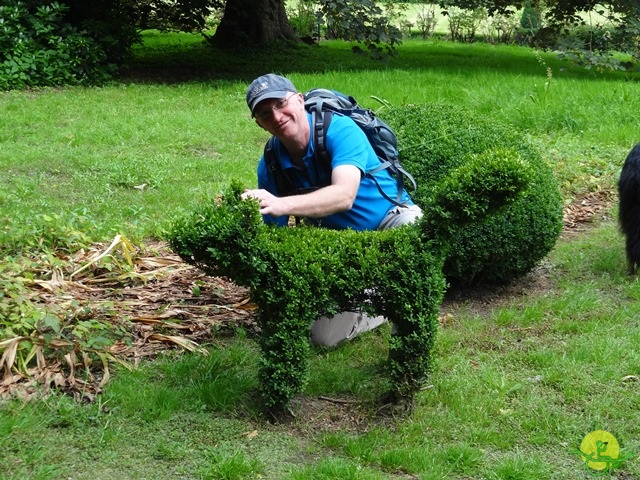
{"points": [[267, 113]]}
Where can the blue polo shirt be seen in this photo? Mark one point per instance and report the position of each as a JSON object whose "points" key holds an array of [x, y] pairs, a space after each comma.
{"points": [[346, 144]]}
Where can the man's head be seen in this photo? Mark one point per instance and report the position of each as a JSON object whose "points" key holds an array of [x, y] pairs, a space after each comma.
{"points": [[270, 86], [278, 108]]}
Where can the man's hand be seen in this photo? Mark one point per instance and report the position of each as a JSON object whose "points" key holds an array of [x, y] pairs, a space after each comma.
{"points": [[269, 203], [337, 197]]}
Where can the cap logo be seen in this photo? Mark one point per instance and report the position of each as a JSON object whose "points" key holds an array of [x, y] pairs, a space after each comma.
{"points": [[259, 88]]}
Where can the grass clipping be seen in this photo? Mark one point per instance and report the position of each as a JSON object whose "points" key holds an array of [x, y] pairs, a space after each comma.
{"points": [[68, 318]]}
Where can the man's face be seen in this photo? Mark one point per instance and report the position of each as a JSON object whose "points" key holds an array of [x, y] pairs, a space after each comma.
{"points": [[282, 117]]}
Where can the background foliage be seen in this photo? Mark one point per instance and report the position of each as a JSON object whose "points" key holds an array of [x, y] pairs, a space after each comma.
{"points": [[83, 42], [39, 47]]}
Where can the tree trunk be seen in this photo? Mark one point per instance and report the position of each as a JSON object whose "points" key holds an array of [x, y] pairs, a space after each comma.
{"points": [[253, 22]]}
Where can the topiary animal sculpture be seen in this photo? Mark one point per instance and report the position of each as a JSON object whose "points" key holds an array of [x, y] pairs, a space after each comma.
{"points": [[296, 274]]}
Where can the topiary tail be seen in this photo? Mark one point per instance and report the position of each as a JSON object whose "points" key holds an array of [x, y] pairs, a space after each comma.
{"points": [[474, 190]]}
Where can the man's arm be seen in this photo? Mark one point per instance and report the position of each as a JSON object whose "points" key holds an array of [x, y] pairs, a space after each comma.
{"points": [[334, 198]]}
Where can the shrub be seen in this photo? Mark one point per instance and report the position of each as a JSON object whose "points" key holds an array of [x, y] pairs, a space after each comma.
{"points": [[464, 23], [594, 47], [500, 28], [54, 44], [434, 139], [362, 22], [38, 49], [296, 274], [427, 20]]}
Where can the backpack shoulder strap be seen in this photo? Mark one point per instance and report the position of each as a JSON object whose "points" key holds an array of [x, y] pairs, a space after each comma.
{"points": [[283, 182], [400, 173], [322, 104], [320, 120]]}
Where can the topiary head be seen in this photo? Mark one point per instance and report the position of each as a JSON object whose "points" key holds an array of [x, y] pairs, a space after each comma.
{"points": [[221, 236]]}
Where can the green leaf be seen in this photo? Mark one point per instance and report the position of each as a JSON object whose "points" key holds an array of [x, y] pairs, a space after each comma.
{"points": [[52, 322]]}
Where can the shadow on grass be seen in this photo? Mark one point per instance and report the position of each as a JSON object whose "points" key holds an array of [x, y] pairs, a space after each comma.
{"points": [[189, 58]]}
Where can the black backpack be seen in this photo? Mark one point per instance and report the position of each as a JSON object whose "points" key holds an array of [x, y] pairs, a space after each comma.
{"points": [[321, 103]]}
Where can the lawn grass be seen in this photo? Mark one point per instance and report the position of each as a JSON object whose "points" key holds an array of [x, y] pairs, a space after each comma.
{"points": [[516, 386], [515, 389]]}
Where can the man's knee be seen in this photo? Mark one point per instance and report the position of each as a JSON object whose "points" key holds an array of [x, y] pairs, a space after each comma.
{"points": [[332, 331], [399, 216]]}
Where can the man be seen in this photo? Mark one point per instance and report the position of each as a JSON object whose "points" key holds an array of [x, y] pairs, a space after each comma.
{"points": [[348, 199]]}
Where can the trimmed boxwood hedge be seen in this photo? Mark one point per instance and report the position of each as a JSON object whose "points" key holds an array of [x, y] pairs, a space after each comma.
{"points": [[435, 139]]}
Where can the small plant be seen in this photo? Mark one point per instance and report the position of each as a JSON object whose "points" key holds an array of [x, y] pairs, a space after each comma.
{"points": [[45, 232], [47, 341], [542, 92], [232, 466], [427, 20], [34, 335]]}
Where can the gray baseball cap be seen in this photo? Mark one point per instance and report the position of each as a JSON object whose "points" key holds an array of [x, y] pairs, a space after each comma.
{"points": [[268, 86]]}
